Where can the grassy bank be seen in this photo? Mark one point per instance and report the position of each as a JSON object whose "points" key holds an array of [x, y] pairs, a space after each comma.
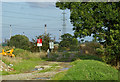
{"points": [[88, 70]]}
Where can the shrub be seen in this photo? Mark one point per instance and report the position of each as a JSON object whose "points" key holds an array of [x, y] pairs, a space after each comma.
{"points": [[45, 42], [26, 54], [68, 43], [88, 57], [90, 47], [99, 51], [20, 41]]}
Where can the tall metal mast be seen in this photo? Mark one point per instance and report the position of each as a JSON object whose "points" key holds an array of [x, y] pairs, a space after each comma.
{"points": [[64, 23]]}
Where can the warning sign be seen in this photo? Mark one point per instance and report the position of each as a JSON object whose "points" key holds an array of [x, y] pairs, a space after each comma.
{"points": [[39, 42]]}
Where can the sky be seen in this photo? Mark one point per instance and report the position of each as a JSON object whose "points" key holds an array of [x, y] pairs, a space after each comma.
{"points": [[30, 18]]}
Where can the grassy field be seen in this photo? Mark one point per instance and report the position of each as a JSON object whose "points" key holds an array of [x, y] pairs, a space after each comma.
{"points": [[23, 66], [24, 61], [86, 67], [88, 70]]}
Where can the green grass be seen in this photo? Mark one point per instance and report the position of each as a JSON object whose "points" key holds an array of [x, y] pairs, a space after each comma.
{"points": [[54, 64], [89, 57], [46, 70], [119, 76], [24, 61], [59, 75], [89, 70], [53, 68], [24, 66]]}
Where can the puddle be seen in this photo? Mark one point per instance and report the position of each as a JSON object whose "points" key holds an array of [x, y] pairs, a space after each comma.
{"points": [[42, 78], [37, 69], [70, 66], [64, 68]]}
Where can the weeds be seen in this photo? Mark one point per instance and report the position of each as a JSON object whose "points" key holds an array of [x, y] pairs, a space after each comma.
{"points": [[24, 61]]}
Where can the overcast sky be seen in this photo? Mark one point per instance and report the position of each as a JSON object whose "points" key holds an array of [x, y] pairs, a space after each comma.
{"points": [[30, 18]]}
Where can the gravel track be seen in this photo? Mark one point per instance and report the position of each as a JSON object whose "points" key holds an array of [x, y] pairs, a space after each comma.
{"points": [[35, 74]]}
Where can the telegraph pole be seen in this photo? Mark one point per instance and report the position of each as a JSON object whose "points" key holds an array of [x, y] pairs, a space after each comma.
{"points": [[54, 38], [45, 29], [60, 34], [10, 31], [64, 23], [23, 33]]}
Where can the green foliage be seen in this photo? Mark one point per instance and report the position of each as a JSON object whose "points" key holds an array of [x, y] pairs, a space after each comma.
{"points": [[90, 47], [24, 61], [93, 45], [45, 43], [100, 51], [53, 56], [62, 56], [89, 70], [88, 57], [68, 43], [71, 56], [20, 41], [22, 53], [99, 19]]}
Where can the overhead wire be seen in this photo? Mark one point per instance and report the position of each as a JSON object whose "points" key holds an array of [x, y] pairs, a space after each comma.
{"points": [[25, 4], [23, 17], [28, 14], [29, 18], [31, 27]]}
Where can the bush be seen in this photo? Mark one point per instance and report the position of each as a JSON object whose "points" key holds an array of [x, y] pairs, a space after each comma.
{"points": [[88, 57], [45, 43], [20, 41], [26, 54], [68, 43], [65, 56], [53, 56], [90, 47], [100, 51]]}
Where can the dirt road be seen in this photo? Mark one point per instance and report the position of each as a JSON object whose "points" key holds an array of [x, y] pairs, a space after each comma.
{"points": [[37, 75]]}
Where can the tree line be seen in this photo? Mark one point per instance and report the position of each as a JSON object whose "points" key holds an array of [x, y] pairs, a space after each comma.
{"points": [[100, 19]]}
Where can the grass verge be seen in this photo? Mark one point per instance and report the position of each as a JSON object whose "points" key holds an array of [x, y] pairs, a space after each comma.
{"points": [[24, 66], [24, 61], [88, 70]]}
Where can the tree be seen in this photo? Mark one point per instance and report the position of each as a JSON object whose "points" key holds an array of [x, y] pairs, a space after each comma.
{"points": [[101, 20], [45, 43], [68, 42], [20, 41]]}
